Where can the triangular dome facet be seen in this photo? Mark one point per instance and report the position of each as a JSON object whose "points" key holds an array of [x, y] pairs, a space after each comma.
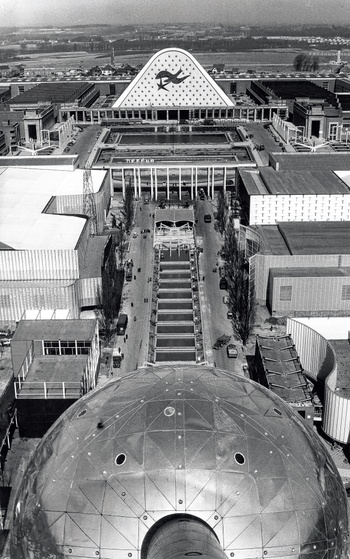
{"points": [[173, 78]]}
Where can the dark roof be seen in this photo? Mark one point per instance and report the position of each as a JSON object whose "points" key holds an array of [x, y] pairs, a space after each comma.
{"points": [[271, 241], [305, 238], [59, 92], [344, 101], [282, 368], [54, 330], [92, 267], [315, 272], [310, 161], [295, 88], [302, 182], [316, 237]]}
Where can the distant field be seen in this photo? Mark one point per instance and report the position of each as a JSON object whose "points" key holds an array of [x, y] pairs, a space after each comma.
{"points": [[264, 60]]}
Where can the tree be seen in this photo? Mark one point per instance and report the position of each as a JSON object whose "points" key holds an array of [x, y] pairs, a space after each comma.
{"points": [[222, 211], [305, 62], [242, 301], [110, 292], [127, 212]]}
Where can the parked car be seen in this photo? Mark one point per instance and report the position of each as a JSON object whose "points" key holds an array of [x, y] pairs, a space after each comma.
{"points": [[117, 359], [230, 315], [207, 218], [231, 351]]}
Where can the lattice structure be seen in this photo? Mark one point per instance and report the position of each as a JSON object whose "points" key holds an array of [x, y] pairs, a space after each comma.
{"points": [[173, 238], [89, 201]]}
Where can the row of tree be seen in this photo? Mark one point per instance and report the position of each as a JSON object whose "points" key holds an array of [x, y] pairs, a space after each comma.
{"points": [[305, 62], [241, 296], [113, 273]]}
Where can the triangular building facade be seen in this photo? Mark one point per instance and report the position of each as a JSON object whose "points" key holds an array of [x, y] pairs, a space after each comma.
{"points": [[173, 78]]}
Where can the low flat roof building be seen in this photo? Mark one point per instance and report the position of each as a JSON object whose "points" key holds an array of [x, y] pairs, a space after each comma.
{"points": [[270, 196], [303, 268], [55, 362]]}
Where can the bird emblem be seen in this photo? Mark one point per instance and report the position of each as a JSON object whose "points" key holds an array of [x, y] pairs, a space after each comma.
{"points": [[165, 78]]}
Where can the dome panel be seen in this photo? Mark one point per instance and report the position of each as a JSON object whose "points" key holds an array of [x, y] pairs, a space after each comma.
{"points": [[275, 487]]}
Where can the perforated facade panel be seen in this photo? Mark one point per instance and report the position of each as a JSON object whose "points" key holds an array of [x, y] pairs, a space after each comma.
{"points": [[173, 78]]}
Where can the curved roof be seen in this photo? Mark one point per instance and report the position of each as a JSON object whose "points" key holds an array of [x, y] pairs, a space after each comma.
{"points": [[173, 78], [190, 440], [174, 215]]}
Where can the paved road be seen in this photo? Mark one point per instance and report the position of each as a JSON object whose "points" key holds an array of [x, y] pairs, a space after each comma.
{"points": [[262, 136], [85, 142], [214, 319], [135, 347], [214, 311]]}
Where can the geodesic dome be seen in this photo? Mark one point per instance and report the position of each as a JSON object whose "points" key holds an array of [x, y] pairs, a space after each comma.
{"points": [[191, 441]]}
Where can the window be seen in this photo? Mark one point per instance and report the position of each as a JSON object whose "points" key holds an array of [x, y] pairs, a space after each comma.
{"points": [[64, 347], [286, 293], [345, 293]]}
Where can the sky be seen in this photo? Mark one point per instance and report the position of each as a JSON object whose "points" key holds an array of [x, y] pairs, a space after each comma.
{"points": [[74, 12]]}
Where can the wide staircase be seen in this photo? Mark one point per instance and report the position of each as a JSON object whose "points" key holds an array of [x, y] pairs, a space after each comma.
{"points": [[178, 335]]}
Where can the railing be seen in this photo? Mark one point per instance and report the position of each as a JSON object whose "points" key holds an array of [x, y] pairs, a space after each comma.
{"points": [[45, 390]]}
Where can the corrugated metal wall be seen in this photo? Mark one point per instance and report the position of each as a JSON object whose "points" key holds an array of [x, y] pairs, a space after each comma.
{"points": [[336, 416], [312, 348], [309, 294], [74, 204], [88, 291], [263, 263], [316, 352], [38, 265], [15, 297]]}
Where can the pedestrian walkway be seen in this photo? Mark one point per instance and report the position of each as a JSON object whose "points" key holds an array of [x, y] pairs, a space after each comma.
{"points": [[178, 325]]}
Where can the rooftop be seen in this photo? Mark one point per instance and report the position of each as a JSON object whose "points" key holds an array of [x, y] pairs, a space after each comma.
{"points": [[306, 237], [283, 370], [302, 182], [295, 182], [309, 272], [24, 194], [290, 89], [60, 368], [54, 330], [311, 161], [58, 92], [93, 257]]}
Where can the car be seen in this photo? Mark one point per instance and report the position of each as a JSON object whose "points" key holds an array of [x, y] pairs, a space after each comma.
{"points": [[5, 342], [207, 218], [231, 351], [225, 299], [229, 315], [117, 359]]}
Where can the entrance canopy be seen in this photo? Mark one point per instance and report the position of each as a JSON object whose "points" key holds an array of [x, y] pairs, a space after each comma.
{"points": [[173, 78]]}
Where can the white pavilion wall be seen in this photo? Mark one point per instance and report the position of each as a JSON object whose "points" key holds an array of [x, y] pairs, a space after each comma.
{"points": [[316, 353]]}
